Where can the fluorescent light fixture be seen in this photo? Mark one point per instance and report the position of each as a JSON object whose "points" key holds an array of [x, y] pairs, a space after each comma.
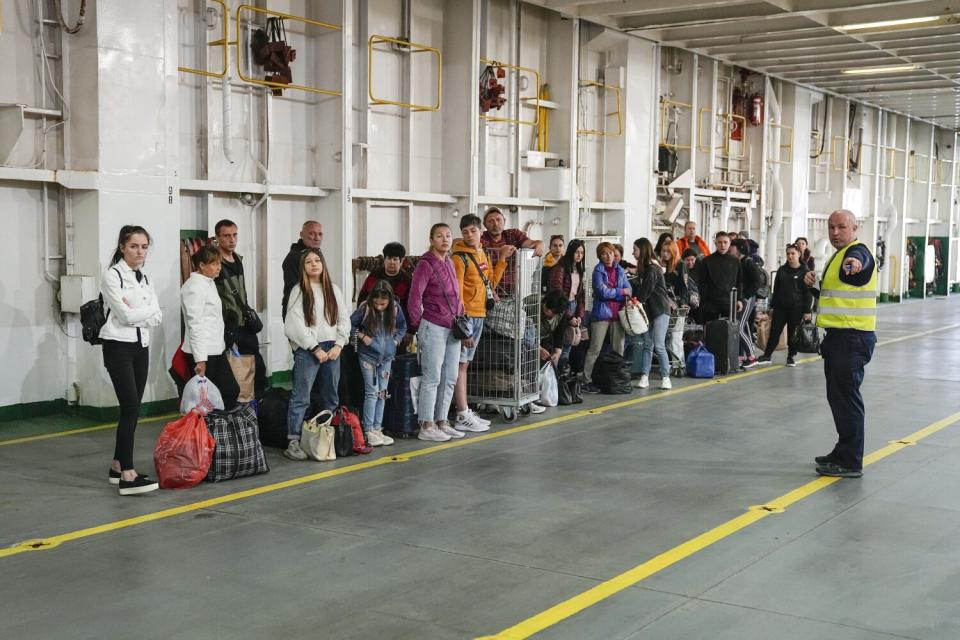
{"points": [[886, 23], [872, 70]]}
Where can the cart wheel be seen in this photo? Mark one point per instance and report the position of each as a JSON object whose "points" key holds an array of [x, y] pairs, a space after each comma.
{"points": [[509, 414], [524, 410]]}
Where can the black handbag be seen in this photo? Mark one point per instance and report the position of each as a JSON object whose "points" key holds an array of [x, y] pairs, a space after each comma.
{"points": [[807, 339], [462, 327]]}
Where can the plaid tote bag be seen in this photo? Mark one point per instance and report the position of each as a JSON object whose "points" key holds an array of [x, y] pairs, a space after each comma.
{"points": [[238, 452]]}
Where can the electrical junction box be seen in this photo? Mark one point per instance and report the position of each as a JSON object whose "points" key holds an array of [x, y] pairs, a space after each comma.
{"points": [[75, 291]]}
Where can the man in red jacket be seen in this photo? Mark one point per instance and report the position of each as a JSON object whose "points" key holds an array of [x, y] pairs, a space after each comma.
{"points": [[692, 241], [392, 271]]}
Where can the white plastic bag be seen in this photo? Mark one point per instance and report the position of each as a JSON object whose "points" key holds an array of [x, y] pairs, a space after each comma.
{"points": [[633, 319], [549, 392], [201, 395]]}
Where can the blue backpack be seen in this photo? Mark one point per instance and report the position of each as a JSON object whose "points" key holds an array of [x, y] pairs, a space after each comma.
{"points": [[700, 363]]}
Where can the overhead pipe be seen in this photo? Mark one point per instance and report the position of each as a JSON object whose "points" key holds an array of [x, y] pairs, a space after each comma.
{"points": [[227, 119]]}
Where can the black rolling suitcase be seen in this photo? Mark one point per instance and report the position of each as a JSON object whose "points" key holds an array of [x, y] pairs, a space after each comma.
{"points": [[722, 339], [400, 412]]}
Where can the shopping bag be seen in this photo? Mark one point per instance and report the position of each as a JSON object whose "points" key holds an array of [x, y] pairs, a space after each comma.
{"points": [[200, 395], [633, 319], [549, 390], [317, 437], [244, 368], [763, 335], [183, 452]]}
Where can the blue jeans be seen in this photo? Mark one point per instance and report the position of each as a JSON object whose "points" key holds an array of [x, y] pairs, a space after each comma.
{"points": [[439, 355], [306, 369], [655, 340], [375, 380]]}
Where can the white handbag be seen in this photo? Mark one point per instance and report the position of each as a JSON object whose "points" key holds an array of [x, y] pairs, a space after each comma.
{"points": [[316, 440], [633, 319]]}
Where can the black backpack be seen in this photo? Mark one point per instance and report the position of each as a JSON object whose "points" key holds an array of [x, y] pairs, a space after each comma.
{"points": [[272, 410], [93, 317]]}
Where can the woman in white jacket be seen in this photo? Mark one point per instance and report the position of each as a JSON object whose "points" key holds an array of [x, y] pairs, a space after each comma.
{"points": [[131, 308], [203, 322], [318, 326]]}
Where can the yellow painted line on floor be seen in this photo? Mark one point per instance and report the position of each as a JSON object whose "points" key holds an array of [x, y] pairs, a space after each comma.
{"points": [[73, 432], [586, 599], [54, 541]]}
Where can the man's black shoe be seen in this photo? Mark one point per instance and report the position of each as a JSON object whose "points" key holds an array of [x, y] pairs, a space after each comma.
{"points": [[822, 460], [834, 470]]}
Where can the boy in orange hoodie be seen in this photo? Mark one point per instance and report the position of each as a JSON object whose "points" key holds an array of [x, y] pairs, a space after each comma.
{"points": [[478, 281]]}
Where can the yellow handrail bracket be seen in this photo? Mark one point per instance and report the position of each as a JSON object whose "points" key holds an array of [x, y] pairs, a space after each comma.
{"points": [[536, 97], [618, 112], [411, 47], [789, 146], [284, 16], [664, 105], [223, 42]]}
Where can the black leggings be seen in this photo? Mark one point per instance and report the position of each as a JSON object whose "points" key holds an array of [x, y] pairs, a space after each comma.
{"points": [[127, 364], [792, 319]]}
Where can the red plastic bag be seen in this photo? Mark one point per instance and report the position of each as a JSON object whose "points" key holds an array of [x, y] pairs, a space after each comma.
{"points": [[184, 452]]}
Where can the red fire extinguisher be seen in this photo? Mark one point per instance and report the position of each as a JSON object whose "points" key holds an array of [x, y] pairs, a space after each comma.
{"points": [[756, 109]]}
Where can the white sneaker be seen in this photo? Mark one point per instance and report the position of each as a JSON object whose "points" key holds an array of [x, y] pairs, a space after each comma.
{"points": [[643, 382], [374, 439], [468, 421], [294, 452], [385, 440], [433, 434], [449, 431], [477, 418], [666, 384], [536, 408]]}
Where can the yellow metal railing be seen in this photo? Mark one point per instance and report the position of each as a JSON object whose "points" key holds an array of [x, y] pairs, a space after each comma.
{"points": [[664, 105], [535, 103], [413, 47], [863, 159], [618, 112], [727, 120], [285, 16], [944, 173], [223, 42], [836, 143], [789, 146], [912, 164]]}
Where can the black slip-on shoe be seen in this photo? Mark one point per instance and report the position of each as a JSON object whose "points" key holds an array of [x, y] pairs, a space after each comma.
{"points": [[141, 484], [827, 459], [834, 470], [113, 477]]}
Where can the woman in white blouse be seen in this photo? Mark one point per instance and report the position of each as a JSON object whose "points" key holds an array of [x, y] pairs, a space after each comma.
{"points": [[203, 322], [318, 326], [131, 308]]}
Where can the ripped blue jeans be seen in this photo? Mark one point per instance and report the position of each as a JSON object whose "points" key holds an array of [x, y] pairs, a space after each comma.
{"points": [[376, 377]]}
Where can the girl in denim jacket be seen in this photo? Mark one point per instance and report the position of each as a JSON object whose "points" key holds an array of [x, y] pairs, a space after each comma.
{"points": [[378, 327]]}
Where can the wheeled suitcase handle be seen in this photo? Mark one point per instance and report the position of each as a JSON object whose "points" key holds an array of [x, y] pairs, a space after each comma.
{"points": [[733, 304]]}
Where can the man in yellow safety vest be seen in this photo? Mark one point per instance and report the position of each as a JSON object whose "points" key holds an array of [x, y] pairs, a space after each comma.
{"points": [[848, 312]]}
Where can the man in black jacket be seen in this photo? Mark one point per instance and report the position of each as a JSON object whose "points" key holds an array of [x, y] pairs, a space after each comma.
{"points": [[232, 287], [720, 273], [311, 236]]}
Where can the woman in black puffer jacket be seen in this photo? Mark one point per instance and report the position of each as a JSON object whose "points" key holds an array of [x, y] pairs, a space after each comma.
{"points": [[790, 304]]}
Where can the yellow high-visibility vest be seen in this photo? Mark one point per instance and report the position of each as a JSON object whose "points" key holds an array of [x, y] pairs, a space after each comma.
{"points": [[843, 306]]}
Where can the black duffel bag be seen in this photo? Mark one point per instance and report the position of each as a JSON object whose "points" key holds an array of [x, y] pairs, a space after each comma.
{"points": [[807, 338], [611, 373]]}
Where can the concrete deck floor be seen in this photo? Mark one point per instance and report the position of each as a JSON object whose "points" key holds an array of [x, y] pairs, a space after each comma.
{"points": [[468, 541]]}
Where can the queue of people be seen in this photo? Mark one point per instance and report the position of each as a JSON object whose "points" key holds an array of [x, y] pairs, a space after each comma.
{"points": [[442, 305]]}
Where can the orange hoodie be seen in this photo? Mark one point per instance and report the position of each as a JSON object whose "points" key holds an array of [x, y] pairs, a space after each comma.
{"points": [[472, 290]]}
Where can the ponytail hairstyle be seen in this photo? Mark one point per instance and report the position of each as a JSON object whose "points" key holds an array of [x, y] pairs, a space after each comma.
{"points": [[207, 254], [126, 232], [331, 312], [375, 321]]}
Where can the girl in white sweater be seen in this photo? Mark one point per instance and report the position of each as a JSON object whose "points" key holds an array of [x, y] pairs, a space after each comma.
{"points": [[203, 322], [317, 326]]}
